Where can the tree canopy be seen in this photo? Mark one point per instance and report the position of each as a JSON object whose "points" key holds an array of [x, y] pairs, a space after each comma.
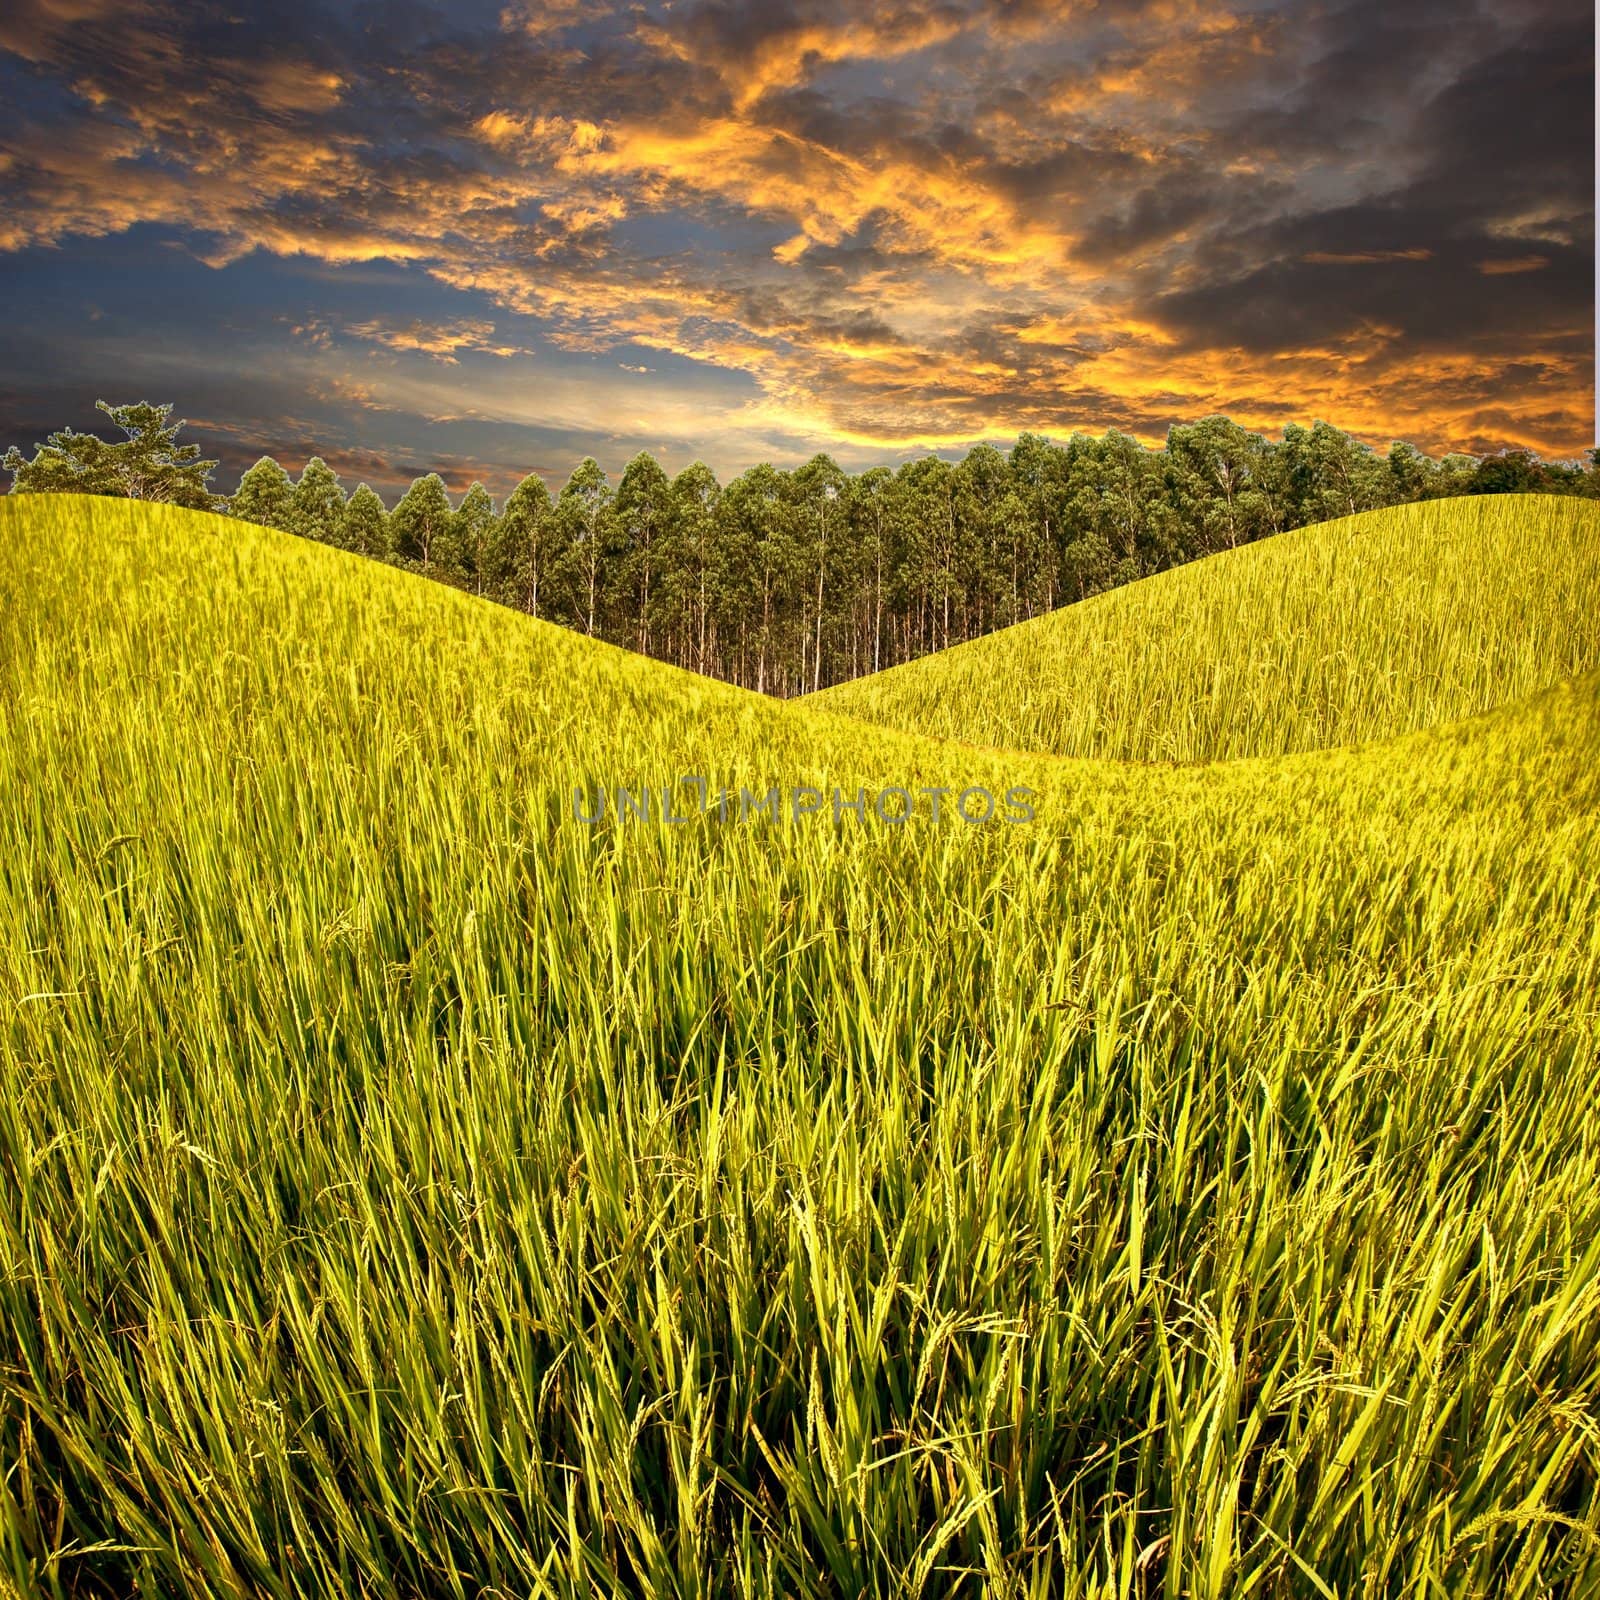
{"points": [[148, 463], [788, 580]]}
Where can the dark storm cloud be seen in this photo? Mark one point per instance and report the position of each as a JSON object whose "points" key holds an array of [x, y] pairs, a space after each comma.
{"points": [[1485, 187]]}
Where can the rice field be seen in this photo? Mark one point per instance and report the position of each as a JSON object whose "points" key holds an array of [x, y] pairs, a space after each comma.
{"points": [[1337, 634], [407, 1189]]}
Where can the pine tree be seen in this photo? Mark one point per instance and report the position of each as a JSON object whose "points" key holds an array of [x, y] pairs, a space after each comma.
{"points": [[148, 464]]}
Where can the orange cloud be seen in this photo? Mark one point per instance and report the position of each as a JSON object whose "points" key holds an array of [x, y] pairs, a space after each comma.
{"points": [[442, 341], [1506, 266], [793, 54], [974, 252], [1335, 258]]}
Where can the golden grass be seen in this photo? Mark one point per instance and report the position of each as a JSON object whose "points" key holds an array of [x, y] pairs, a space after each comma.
{"points": [[407, 1190], [1342, 633]]}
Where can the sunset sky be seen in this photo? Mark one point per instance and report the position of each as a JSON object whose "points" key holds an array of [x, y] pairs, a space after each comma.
{"points": [[485, 239]]}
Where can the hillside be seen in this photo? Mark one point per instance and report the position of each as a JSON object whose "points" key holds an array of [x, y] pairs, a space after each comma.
{"points": [[406, 1188], [1335, 634]]}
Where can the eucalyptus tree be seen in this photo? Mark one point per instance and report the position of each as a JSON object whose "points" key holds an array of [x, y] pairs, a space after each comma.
{"points": [[698, 583], [872, 506], [982, 482], [817, 486], [317, 504], [1138, 518], [1020, 538], [758, 518], [472, 538], [644, 518], [1456, 470], [1088, 563], [421, 519], [586, 510], [531, 545], [1217, 469], [263, 495], [1038, 473], [930, 488], [1275, 485], [366, 523], [1348, 475], [1411, 474]]}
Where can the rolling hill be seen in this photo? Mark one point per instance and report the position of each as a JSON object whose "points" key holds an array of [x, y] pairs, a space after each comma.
{"points": [[1335, 634], [407, 1188]]}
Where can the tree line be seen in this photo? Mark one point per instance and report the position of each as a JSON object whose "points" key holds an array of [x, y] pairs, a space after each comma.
{"points": [[785, 581]]}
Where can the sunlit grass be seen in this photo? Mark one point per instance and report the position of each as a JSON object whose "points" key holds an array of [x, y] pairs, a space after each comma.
{"points": [[408, 1190], [1349, 631]]}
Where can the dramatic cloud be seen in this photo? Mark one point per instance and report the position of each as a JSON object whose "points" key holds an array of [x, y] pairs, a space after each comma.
{"points": [[746, 230]]}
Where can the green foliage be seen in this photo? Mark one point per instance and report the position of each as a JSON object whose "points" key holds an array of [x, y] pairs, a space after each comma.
{"points": [[587, 514], [1224, 480], [366, 524], [644, 514], [700, 586], [473, 539], [862, 573], [264, 495], [763, 564], [148, 464], [412, 1191], [819, 492], [316, 508], [1510, 472], [1116, 507], [422, 518], [531, 547]]}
